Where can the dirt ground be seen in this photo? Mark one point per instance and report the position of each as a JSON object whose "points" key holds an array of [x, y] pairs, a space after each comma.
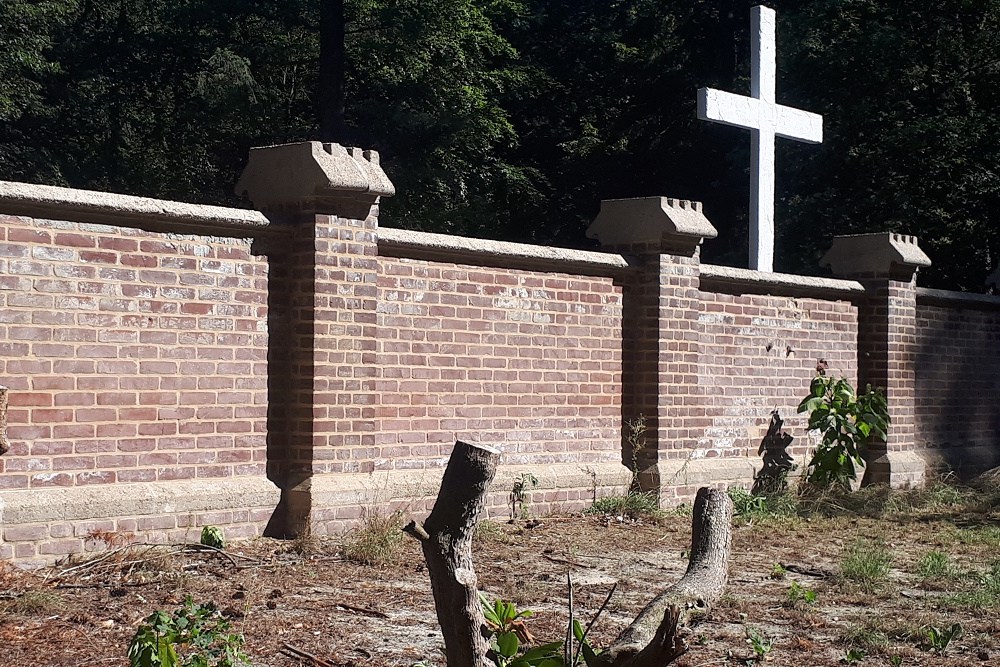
{"points": [[788, 587]]}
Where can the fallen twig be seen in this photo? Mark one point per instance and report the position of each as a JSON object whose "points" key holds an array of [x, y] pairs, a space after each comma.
{"points": [[295, 652], [360, 610]]}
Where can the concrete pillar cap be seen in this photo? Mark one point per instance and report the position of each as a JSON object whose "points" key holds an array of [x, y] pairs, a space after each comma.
{"points": [[650, 220], [879, 254], [302, 176]]}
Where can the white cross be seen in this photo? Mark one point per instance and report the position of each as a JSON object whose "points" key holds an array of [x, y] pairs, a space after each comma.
{"points": [[765, 119]]}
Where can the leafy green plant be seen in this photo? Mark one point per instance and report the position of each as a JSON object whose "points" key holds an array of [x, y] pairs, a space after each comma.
{"points": [[845, 421], [753, 508], [585, 649], [853, 656], [798, 594], [211, 536], [519, 495], [505, 623], [196, 635], [632, 505], [759, 642], [778, 571], [866, 563], [938, 639]]}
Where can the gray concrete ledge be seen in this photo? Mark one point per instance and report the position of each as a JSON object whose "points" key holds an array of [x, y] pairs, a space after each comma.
{"points": [[84, 503], [379, 488], [782, 284], [956, 299], [50, 202], [462, 250]]}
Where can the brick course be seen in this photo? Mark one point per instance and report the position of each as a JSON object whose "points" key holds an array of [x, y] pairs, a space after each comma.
{"points": [[130, 354]]}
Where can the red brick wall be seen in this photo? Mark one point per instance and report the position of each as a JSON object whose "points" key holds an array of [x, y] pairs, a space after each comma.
{"points": [[957, 384], [130, 356], [528, 360], [758, 354]]}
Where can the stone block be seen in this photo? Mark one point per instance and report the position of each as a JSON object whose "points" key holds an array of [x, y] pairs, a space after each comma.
{"points": [[651, 221], [883, 254], [306, 176]]}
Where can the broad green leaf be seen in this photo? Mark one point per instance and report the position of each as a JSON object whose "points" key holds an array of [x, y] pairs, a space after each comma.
{"points": [[508, 644]]}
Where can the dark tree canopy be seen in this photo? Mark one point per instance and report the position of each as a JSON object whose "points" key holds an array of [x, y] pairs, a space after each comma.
{"points": [[513, 118]]}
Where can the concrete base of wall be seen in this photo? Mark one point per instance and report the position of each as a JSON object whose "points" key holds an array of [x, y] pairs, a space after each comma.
{"points": [[900, 470], [965, 461], [679, 479], [42, 525], [338, 502]]}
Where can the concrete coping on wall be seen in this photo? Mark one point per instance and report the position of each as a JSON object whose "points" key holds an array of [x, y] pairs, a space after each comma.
{"points": [[948, 297], [779, 283], [503, 254], [90, 206]]}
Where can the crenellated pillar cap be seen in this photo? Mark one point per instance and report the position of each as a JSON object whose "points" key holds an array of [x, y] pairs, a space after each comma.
{"points": [[311, 177], [879, 255], [655, 223]]}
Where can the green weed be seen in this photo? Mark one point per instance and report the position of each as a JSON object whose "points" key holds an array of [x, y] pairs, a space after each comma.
{"points": [[196, 635], [32, 603], [935, 565], [632, 505], [377, 541], [866, 563]]}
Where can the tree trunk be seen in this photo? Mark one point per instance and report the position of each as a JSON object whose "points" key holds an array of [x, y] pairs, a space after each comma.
{"points": [[446, 539], [652, 640], [332, 64]]}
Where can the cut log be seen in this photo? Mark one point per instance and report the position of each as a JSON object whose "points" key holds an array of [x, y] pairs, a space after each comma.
{"points": [[446, 540], [653, 640]]}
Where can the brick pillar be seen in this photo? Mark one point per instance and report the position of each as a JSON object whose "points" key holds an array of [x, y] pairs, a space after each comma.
{"points": [[660, 326], [886, 264], [321, 399]]}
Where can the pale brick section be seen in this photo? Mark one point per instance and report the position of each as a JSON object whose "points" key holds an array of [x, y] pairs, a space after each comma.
{"points": [[758, 354], [525, 360], [130, 356]]}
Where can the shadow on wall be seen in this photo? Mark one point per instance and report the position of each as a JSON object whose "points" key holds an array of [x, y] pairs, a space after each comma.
{"points": [[957, 385], [290, 317], [773, 477]]}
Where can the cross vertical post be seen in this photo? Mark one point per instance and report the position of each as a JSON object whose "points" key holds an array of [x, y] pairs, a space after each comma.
{"points": [[765, 119]]}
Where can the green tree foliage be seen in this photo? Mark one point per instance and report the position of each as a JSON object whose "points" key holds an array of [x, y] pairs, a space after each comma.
{"points": [[514, 118], [910, 93]]}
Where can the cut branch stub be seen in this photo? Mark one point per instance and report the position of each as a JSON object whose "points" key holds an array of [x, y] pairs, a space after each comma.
{"points": [[652, 640], [446, 539]]}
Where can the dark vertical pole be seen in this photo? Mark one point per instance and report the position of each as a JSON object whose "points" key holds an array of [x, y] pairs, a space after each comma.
{"points": [[332, 64]]}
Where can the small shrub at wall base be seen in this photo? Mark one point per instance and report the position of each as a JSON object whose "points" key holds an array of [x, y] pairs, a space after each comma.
{"points": [[211, 536], [196, 635], [845, 421]]}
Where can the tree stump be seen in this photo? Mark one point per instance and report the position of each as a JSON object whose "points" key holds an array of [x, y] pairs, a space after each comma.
{"points": [[654, 637], [652, 640], [446, 540]]}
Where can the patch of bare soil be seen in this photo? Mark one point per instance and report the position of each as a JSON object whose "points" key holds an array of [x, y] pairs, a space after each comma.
{"points": [[785, 588]]}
